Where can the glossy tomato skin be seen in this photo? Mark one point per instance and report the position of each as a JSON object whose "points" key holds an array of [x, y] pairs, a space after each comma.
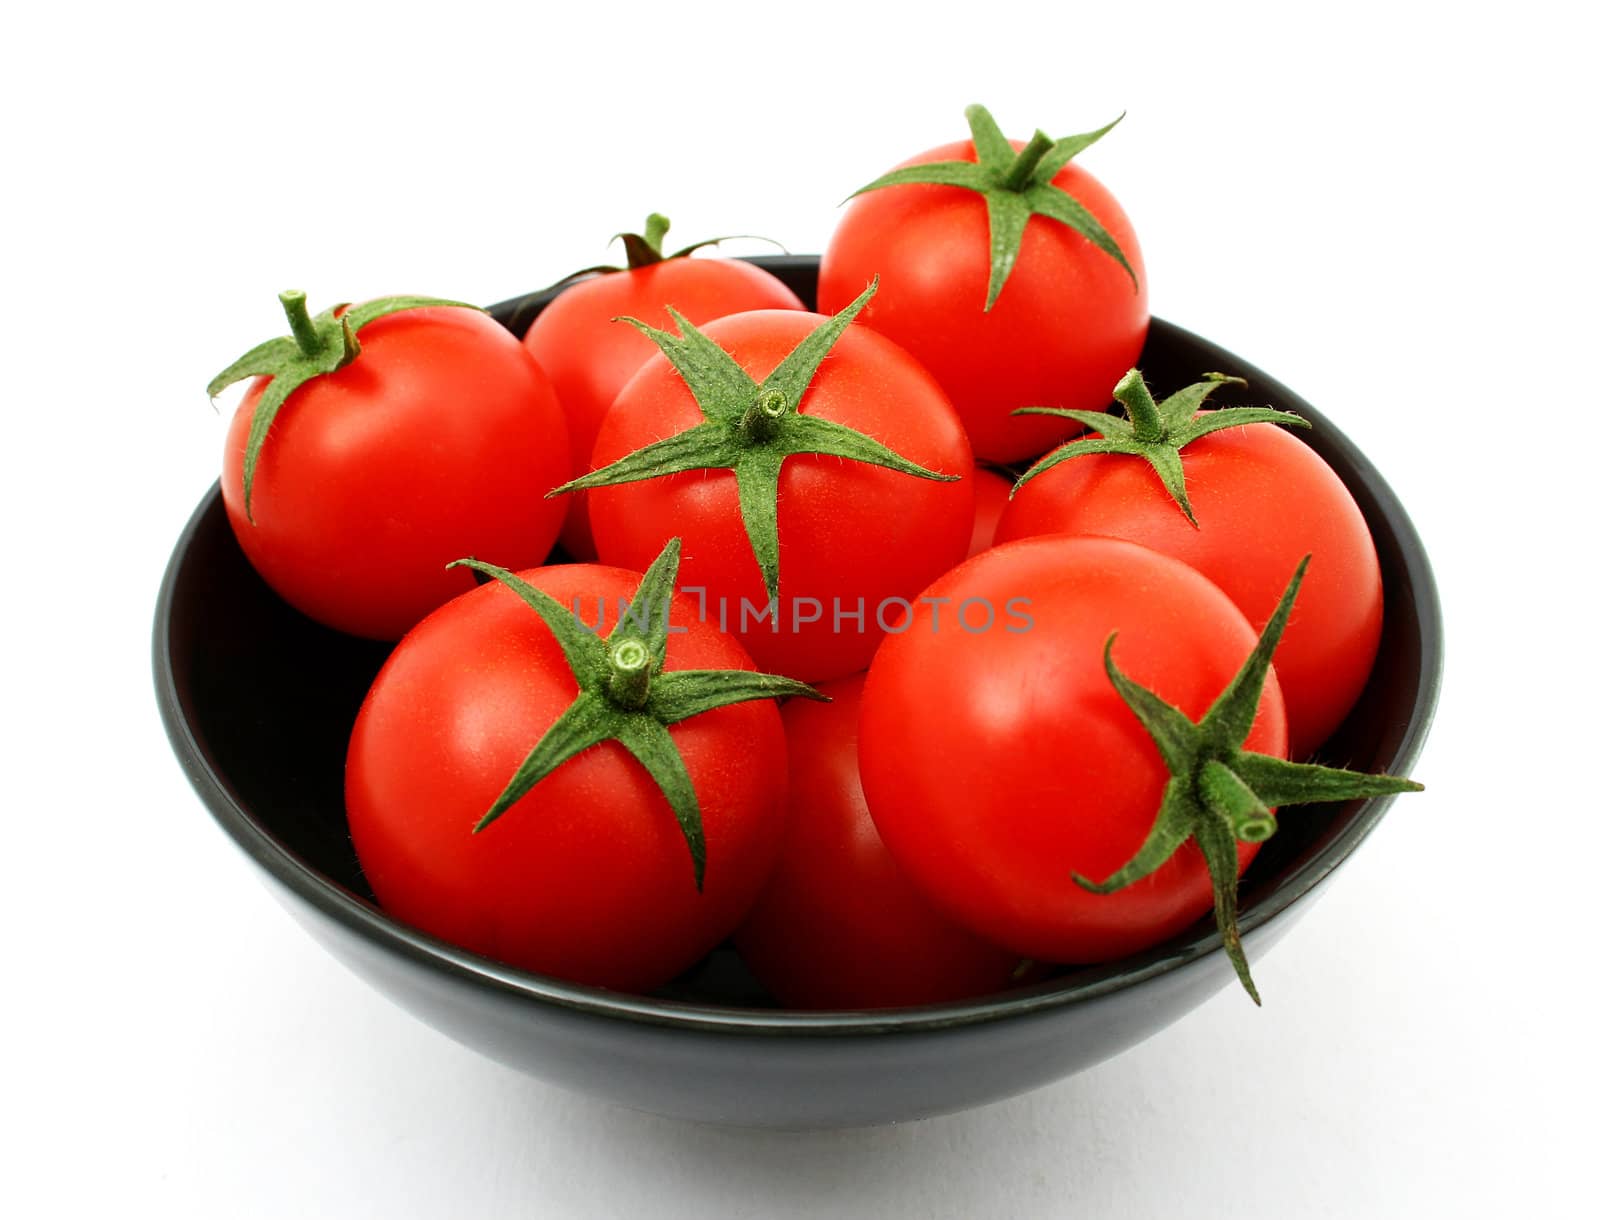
{"points": [[439, 440], [1263, 499], [838, 924], [587, 878], [589, 355], [1067, 325], [851, 536], [997, 763], [991, 493]]}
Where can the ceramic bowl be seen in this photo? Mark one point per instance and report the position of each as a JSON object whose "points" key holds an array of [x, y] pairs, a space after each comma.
{"points": [[258, 702]]}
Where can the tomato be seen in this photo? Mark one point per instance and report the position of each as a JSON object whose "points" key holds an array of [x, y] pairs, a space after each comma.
{"points": [[847, 541], [586, 876], [589, 355], [999, 762], [991, 492], [838, 925], [1261, 499], [439, 439], [1069, 321]]}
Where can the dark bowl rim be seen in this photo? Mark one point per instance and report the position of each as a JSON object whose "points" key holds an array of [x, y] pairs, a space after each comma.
{"points": [[367, 921]]}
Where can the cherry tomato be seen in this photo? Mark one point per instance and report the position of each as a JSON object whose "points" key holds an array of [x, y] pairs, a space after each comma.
{"points": [[589, 355], [854, 540], [999, 762], [1068, 323], [838, 925], [438, 440], [587, 876], [1261, 498]]}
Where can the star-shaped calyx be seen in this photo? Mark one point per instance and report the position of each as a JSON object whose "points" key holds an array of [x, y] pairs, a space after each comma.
{"points": [[1220, 793], [641, 250], [750, 429], [625, 695], [1156, 432], [314, 346], [645, 249], [1014, 185]]}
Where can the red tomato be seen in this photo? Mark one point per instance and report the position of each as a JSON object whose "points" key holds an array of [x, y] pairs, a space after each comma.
{"points": [[838, 924], [590, 356], [438, 440], [853, 537], [997, 763], [1067, 325], [1262, 498], [587, 877], [992, 492]]}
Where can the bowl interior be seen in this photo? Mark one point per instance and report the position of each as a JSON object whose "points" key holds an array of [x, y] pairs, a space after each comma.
{"points": [[261, 699]]}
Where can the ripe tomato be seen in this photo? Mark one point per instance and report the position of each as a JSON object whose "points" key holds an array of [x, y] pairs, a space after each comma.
{"points": [[991, 492], [854, 541], [439, 439], [1067, 324], [589, 355], [586, 877], [838, 924], [1261, 499], [997, 763]]}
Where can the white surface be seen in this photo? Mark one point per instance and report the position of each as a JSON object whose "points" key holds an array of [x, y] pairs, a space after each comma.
{"points": [[1388, 211]]}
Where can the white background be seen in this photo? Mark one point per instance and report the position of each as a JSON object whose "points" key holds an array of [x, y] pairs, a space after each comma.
{"points": [[1388, 209]]}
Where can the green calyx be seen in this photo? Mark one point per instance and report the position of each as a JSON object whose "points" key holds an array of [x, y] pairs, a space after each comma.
{"points": [[1156, 432], [624, 695], [1014, 185], [1221, 794], [645, 249], [750, 429], [314, 346]]}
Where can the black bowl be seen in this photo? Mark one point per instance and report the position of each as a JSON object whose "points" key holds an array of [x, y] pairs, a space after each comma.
{"points": [[258, 702]]}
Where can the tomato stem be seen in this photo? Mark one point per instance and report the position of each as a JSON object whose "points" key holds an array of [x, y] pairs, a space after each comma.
{"points": [[760, 420], [644, 249], [628, 683], [1027, 161], [300, 323], [1230, 798], [1143, 413], [655, 230]]}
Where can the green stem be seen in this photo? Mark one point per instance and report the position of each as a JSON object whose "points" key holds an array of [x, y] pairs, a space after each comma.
{"points": [[1027, 161], [1143, 413], [644, 249], [300, 323], [655, 229], [1231, 799], [760, 421], [628, 683]]}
